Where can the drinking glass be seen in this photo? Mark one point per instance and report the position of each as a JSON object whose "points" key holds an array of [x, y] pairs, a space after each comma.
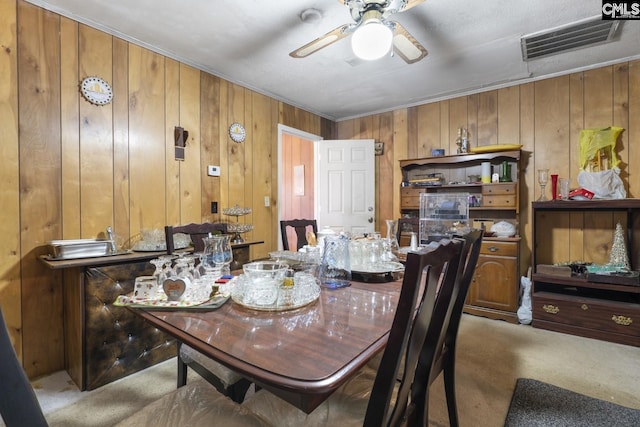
{"points": [[564, 188], [543, 179]]}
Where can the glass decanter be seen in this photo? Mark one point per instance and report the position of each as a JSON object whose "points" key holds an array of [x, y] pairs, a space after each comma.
{"points": [[391, 246]]}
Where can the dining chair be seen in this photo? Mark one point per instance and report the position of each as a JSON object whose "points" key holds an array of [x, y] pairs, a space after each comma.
{"points": [[430, 281], [405, 227], [19, 405], [300, 226], [439, 351], [225, 380], [197, 232]]}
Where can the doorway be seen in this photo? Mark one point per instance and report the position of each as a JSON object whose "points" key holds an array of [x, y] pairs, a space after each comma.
{"points": [[296, 171]]}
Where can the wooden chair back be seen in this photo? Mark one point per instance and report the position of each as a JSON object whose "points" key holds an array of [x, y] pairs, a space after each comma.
{"points": [[18, 403], [427, 273], [300, 226], [438, 353], [196, 231]]}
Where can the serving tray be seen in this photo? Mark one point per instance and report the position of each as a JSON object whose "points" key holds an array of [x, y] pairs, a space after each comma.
{"points": [[305, 291]]}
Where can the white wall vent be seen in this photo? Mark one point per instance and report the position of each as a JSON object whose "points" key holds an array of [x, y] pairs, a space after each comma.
{"points": [[588, 32]]}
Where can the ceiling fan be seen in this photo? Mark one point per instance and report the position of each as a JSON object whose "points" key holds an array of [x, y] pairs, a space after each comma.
{"points": [[371, 20]]}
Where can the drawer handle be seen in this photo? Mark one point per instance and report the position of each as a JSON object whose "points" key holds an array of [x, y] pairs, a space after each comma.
{"points": [[493, 249], [622, 320], [584, 307], [551, 309]]}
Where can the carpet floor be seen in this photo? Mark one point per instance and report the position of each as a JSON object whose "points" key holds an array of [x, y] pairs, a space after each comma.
{"points": [[491, 356], [537, 404]]}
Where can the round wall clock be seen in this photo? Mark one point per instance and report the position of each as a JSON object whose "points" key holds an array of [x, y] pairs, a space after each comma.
{"points": [[237, 132], [96, 90]]}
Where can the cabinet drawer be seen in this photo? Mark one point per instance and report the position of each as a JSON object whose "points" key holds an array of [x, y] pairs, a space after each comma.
{"points": [[410, 197], [499, 248], [499, 189], [590, 313], [499, 201]]}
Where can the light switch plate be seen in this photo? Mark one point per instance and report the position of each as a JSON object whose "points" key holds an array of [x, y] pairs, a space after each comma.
{"points": [[213, 170]]}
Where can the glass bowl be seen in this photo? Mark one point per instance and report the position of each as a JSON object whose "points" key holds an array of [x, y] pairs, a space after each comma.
{"points": [[260, 271]]}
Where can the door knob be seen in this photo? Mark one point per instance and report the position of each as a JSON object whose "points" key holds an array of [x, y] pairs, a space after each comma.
{"points": [[370, 219]]}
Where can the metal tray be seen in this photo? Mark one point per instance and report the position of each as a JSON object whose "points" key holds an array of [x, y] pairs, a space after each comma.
{"points": [[79, 248]]}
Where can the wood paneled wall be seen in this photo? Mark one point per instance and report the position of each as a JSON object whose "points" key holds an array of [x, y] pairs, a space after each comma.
{"points": [[69, 168], [546, 118]]}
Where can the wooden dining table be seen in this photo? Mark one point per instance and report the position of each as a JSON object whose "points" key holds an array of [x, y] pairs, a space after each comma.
{"points": [[301, 355]]}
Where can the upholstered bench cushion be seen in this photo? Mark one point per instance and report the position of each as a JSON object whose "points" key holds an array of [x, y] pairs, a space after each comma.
{"points": [[196, 404], [226, 375]]}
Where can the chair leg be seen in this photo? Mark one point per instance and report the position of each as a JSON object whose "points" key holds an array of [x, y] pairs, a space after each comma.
{"points": [[450, 391], [238, 391], [182, 370]]}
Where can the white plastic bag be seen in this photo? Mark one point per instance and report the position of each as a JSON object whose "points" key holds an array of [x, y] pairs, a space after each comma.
{"points": [[524, 312], [604, 184]]}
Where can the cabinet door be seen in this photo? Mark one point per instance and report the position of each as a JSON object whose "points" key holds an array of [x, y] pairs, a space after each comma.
{"points": [[494, 283]]}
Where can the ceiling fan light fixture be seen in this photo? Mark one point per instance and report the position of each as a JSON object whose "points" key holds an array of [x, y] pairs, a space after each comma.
{"points": [[371, 40]]}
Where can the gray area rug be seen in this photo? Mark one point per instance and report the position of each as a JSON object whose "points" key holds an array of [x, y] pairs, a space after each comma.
{"points": [[537, 404]]}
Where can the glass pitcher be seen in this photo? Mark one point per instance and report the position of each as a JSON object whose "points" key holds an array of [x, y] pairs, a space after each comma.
{"points": [[335, 268], [218, 251]]}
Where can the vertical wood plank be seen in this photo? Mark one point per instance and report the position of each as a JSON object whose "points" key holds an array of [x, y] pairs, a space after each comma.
{"points": [[70, 117], [235, 151], [172, 166], [527, 178], [264, 149], [428, 129], [210, 143], [457, 120], [40, 184], [191, 175], [96, 138], [508, 118], [487, 129], [400, 143], [10, 292], [620, 107], [387, 163], [121, 225], [634, 129], [146, 139]]}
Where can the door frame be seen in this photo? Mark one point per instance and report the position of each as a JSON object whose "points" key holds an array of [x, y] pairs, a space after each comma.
{"points": [[283, 129]]}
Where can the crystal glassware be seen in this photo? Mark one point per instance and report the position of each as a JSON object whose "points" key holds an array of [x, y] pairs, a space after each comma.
{"points": [[543, 179], [222, 252]]}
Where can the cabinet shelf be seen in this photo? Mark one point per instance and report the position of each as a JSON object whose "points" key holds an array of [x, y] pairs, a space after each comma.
{"points": [[576, 305]]}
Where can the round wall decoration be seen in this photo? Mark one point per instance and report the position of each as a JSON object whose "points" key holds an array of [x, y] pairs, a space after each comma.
{"points": [[237, 132], [96, 90]]}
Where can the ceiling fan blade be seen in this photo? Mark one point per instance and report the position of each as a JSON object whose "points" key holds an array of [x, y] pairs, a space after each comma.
{"points": [[408, 4], [322, 41], [406, 46]]}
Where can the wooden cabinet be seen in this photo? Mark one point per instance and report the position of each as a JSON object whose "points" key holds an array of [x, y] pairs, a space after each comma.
{"points": [[576, 303], [494, 290]]}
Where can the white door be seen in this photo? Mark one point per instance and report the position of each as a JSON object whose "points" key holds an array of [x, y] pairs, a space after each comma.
{"points": [[345, 185]]}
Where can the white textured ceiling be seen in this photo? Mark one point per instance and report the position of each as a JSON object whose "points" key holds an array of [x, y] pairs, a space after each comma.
{"points": [[473, 45]]}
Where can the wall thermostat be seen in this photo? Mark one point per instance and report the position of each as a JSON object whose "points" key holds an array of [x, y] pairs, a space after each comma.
{"points": [[213, 170]]}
